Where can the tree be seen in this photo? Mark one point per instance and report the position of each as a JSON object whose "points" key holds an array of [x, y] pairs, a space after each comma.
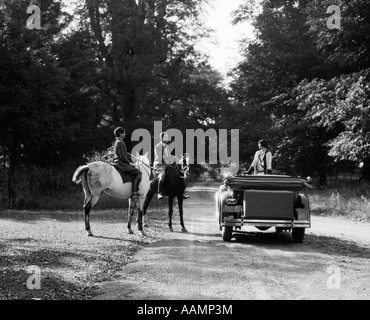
{"points": [[344, 50], [49, 108], [144, 49], [294, 57], [282, 55], [342, 102], [31, 82]]}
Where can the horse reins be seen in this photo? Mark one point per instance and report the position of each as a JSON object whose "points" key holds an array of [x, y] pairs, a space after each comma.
{"points": [[141, 161], [152, 168], [183, 171]]}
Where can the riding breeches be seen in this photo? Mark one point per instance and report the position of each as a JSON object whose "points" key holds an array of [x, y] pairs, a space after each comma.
{"points": [[160, 174]]}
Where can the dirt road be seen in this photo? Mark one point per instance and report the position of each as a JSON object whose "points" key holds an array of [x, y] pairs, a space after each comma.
{"points": [[332, 263]]}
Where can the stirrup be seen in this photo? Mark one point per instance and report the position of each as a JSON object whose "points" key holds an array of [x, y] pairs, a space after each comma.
{"points": [[185, 196], [160, 196]]}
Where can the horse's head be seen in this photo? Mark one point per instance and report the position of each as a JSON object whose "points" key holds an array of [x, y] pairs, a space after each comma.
{"points": [[184, 166], [143, 162], [142, 159]]}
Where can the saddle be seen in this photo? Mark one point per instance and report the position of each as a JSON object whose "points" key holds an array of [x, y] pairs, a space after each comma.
{"points": [[126, 177]]}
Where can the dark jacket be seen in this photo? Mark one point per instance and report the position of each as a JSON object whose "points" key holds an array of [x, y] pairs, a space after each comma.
{"points": [[121, 158]]}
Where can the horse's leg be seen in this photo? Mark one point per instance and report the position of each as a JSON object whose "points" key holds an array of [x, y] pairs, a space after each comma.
{"points": [[181, 212], [148, 198], [89, 203], [170, 212], [130, 214], [87, 219], [139, 220]]}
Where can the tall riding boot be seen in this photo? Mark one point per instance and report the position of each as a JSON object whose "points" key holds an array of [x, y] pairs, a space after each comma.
{"points": [[135, 188], [160, 187]]}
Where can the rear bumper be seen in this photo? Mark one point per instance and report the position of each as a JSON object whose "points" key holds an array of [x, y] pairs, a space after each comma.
{"points": [[231, 222]]}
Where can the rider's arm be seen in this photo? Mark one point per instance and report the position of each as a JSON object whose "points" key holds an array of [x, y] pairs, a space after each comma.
{"points": [[254, 164], [157, 155], [169, 159], [176, 159]]}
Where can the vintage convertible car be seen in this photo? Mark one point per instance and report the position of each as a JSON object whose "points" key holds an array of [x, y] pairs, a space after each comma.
{"points": [[263, 202]]}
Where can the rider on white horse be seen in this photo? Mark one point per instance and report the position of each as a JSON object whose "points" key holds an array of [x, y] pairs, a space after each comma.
{"points": [[121, 160]]}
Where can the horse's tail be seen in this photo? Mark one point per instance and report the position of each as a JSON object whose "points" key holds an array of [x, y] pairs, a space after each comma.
{"points": [[81, 176], [77, 175]]}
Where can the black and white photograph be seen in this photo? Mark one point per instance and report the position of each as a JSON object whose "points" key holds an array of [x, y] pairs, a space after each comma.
{"points": [[183, 156]]}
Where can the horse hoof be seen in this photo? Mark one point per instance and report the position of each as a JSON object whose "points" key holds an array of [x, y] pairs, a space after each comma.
{"points": [[129, 231], [171, 230], [184, 230], [89, 234]]}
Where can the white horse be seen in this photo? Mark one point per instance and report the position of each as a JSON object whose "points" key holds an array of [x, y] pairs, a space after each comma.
{"points": [[100, 177]]}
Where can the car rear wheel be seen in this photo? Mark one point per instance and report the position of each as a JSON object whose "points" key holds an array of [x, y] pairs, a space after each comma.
{"points": [[298, 234], [227, 233]]}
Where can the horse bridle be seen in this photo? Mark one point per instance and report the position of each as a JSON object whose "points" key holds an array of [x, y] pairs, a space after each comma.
{"points": [[139, 160], [183, 171], [147, 171]]}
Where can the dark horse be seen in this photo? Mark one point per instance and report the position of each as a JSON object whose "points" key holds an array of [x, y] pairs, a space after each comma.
{"points": [[174, 188]]}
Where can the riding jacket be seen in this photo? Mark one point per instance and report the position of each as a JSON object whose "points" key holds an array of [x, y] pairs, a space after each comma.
{"points": [[121, 158]]}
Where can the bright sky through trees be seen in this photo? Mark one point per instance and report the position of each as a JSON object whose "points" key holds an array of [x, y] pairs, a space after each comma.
{"points": [[223, 47]]}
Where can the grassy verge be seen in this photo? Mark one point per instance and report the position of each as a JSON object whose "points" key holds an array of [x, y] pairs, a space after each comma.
{"points": [[351, 202], [339, 199]]}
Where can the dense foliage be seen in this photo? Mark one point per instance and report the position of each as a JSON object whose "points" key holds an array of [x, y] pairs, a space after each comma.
{"points": [[305, 86]]}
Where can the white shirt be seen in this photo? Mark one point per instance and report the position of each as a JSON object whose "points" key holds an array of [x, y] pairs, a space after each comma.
{"points": [[258, 161]]}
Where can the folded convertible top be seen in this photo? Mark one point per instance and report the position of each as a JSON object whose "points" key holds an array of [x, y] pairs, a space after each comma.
{"points": [[267, 182]]}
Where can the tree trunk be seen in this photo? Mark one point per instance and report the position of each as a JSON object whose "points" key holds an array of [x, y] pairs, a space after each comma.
{"points": [[365, 175], [13, 164], [323, 179]]}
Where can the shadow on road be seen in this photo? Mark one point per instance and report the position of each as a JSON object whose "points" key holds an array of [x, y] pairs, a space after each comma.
{"points": [[214, 235], [272, 241], [318, 243]]}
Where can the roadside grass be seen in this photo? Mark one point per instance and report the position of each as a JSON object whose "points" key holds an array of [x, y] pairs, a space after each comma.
{"points": [[68, 201], [344, 199], [341, 200]]}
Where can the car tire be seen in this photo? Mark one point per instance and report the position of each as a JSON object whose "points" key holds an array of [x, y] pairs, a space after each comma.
{"points": [[227, 233], [298, 234]]}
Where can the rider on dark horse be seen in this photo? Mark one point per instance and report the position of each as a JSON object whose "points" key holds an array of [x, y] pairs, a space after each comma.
{"points": [[163, 159], [121, 160]]}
